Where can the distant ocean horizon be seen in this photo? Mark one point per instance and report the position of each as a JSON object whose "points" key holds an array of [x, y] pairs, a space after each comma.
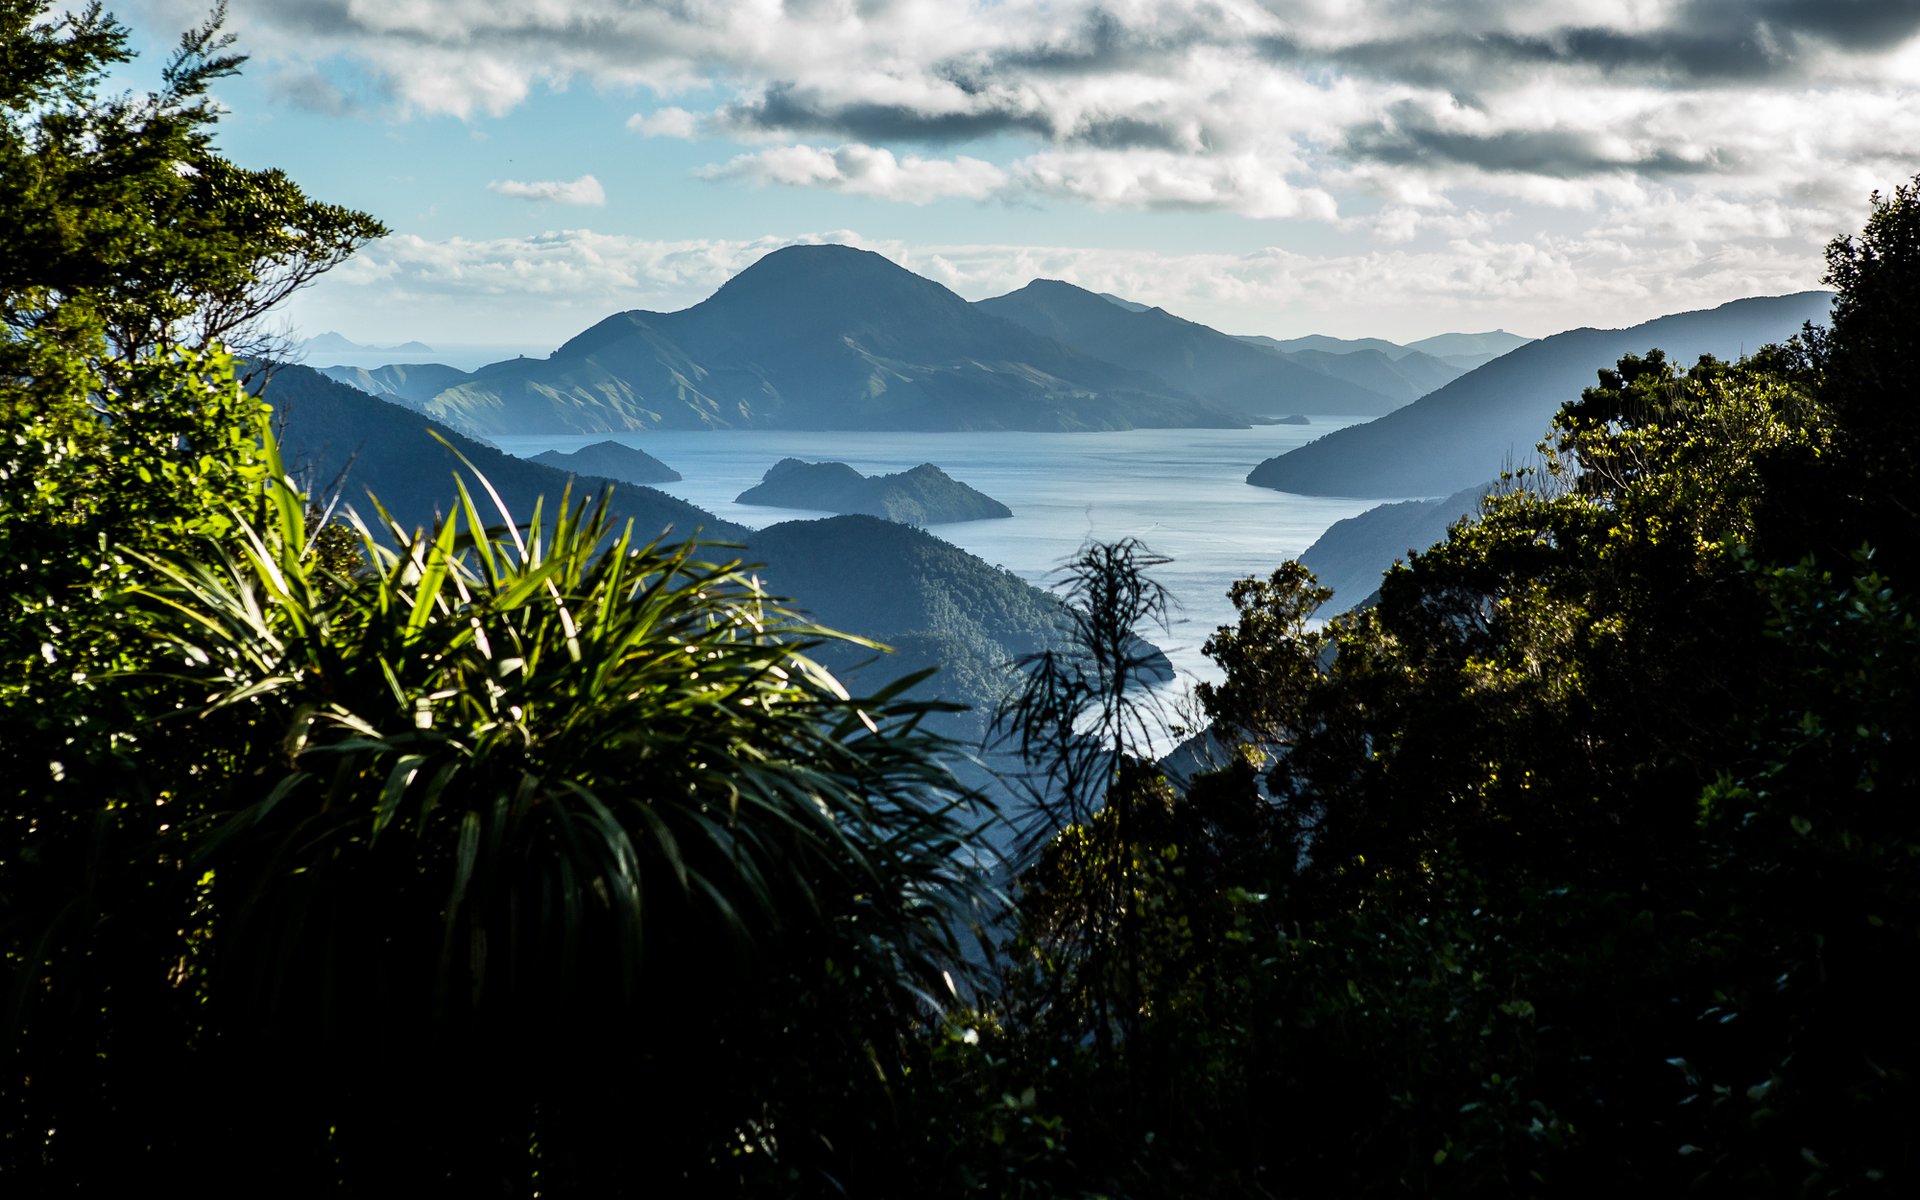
{"points": [[1183, 492]]}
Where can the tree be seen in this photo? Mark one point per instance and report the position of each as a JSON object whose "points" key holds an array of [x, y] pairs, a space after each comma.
{"points": [[121, 220], [1269, 656], [1869, 358]]}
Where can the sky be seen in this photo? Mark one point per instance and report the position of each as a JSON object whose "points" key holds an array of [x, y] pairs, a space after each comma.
{"points": [[1390, 168]]}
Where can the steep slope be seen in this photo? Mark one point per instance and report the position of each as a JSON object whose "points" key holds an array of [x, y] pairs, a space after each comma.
{"points": [[1491, 418], [338, 440], [925, 495], [1187, 355], [817, 337], [610, 460], [1352, 555], [932, 602]]}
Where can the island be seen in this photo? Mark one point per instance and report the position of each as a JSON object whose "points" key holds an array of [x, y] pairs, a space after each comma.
{"points": [[611, 460], [926, 495]]}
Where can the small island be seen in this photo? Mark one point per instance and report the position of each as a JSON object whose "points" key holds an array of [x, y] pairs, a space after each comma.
{"points": [[926, 495], [611, 460]]}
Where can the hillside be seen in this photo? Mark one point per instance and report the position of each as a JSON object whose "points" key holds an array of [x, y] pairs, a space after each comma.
{"points": [[1469, 350], [340, 441], [1352, 555], [610, 460], [817, 337], [925, 495], [934, 603], [412, 383], [1492, 418], [1188, 356], [1402, 377]]}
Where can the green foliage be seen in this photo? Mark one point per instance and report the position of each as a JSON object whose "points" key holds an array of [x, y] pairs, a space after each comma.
{"points": [[1270, 656], [409, 861], [1587, 858], [118, 215], [538, 794], [1798, 1069]]}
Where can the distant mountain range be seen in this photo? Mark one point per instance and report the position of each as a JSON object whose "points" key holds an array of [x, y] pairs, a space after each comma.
{"points": [[1189, 356], [829, 337], [1461, 351], [1491, 419], [333, 343], [817, 337]]}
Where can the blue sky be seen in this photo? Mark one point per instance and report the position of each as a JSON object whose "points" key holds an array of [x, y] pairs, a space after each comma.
{"points": [[1392, 168]]}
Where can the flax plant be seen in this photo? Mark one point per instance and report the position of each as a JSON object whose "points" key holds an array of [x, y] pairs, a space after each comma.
{"points": [[553, 792]]}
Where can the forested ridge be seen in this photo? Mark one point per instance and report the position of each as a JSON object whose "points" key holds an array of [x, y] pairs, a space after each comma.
{"points": [[516, 853]]}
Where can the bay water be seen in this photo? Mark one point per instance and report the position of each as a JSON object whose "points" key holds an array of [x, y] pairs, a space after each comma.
{"points": [[1182, 492]]}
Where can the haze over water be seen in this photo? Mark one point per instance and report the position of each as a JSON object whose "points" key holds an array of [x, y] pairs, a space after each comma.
{"points": [[1181, 491]]}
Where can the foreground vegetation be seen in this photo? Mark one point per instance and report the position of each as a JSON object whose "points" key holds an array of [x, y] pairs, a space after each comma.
{"points": [[344, 858]]}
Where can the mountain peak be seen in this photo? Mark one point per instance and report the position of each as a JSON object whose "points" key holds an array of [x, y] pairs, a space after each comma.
{"points": [[817, 265], [817, 290]]}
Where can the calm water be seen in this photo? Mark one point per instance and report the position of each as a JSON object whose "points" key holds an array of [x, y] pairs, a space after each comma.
{"points": [[1181, 491]]}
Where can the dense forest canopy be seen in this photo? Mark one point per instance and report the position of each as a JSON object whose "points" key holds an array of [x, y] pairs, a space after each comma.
{"points": [[533, 859]]}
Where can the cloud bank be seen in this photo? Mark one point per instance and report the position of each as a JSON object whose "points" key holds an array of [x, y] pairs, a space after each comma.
{"points": [[1473, 280], [1266, 108]]}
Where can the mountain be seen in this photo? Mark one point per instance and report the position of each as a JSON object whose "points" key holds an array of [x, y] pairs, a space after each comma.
{"points": [[1352, 555], [334, 343], [926, 495], [1469, 350], [932, 602], [1325, 344], [816, 337], [1404, 378], [340, 441], [1460, 351], [411, 383], [1187, 355], [1491, 418], [610, 460]]}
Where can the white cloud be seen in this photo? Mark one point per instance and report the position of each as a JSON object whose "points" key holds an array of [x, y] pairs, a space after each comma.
{"points": [[665, 122], [867, 171], [585, 191], [1246, 183], [1264, 107], [1133, 179]]}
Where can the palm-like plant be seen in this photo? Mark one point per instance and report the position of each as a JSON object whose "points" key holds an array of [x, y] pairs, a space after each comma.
{"points": [[521, 793]]}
